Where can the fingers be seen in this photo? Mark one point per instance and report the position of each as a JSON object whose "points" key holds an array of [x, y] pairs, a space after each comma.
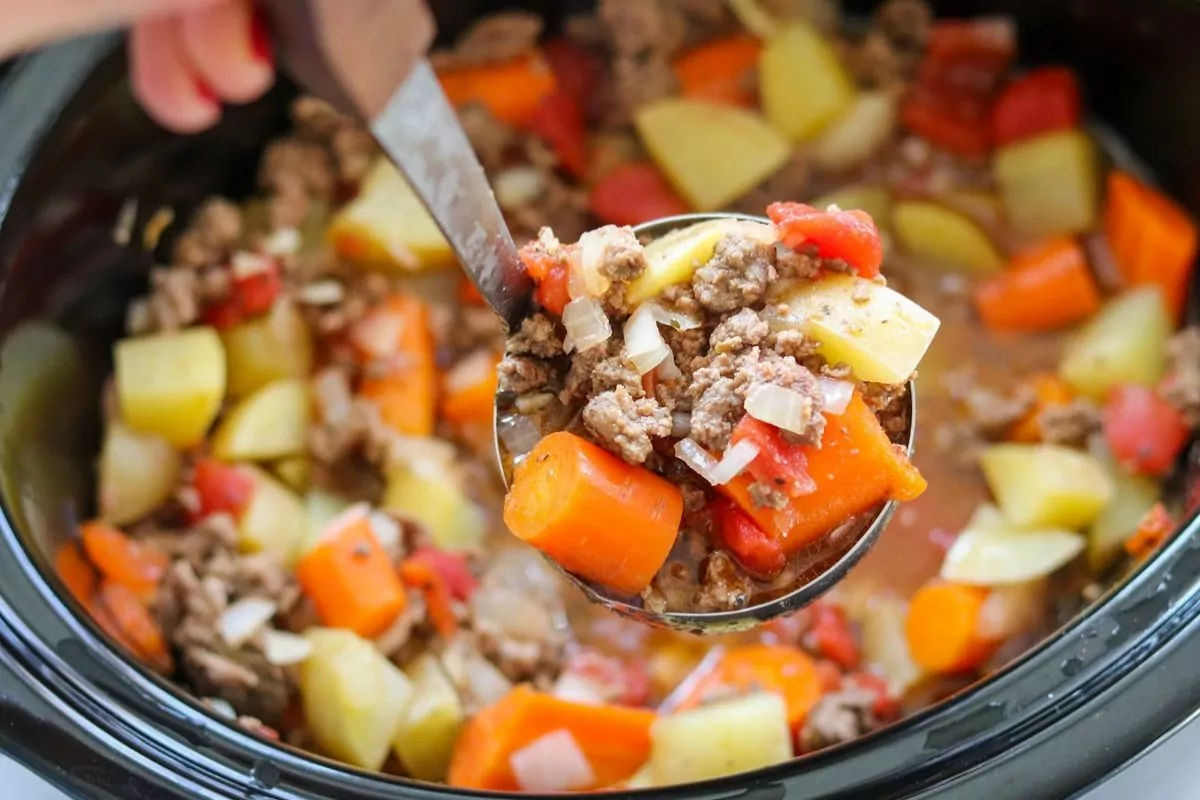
{"points": [[164, 81], [28, 23], [228, 47]]}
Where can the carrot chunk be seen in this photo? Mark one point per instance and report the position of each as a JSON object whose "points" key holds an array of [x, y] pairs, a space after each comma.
{"points": [[942, 628], [780, 668], [136, 566], [614, 739], [469, 390], [405, 391], [595, 515], [137, 628], [717, 71], [421, 575], [1045, 288], [511, 91], [75, 572]]}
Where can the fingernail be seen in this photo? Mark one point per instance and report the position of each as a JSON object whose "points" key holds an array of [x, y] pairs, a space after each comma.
{"points": [[261, 45], [206, 92]]}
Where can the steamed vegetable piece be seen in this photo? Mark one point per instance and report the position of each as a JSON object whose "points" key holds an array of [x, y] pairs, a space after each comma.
{"points": [[293, 471], [136, 473], [406, 391], [354, 698], [271, 423], [1050, 184], [1124, 343], [801, 82], [631, 194], [386, 227], [849, 236], [430, 726], [440, 504], [136, 566], [884, 644], [276, 346], [943, 628], [171, 384], [1133, 497], [1046, 485], [857, 133], [1144, 433], [1046, 287], [780, 669], [597, 516], [1041, 101], [673, 258], [273, 519], [512, 91], [682, 136], [724, 738], [944, 237], [990, 551], [882, 338], [717, 70], [615, 740]]}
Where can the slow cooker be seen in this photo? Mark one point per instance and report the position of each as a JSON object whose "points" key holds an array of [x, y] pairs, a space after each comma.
{"points": [[1104, 688]]}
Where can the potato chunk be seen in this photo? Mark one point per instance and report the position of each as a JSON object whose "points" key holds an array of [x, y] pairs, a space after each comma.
{"points": [[801, 82], [991, 551], [858, 133], [1046, 485], [171, 384], [1050, 184], [425, 740], [439, 504], [354, 698], [944, 238], [273, 347], [724, 738], [136, 473], [1125, 342], [271, 423], [673, 258], [274, 521], [879, 333], [1133, 497]]}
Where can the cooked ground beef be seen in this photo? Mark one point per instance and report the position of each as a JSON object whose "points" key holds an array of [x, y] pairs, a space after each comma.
{"points": [[494, 38], [765, 495], [738, 332], [839, 717], [522, 374], [1182, 386], [723, 586], [991, 412], [797, 264], [537, 336], [626, 425], [1071, 424], [600, 369], [736, 276], [490, 138], [888, 403], [214, 232]]}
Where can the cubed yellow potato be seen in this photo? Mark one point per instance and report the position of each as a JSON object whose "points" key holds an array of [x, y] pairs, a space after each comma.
{"points": [[171, 384], [1046, 486], [879, 333], [439, 504], [293, 471], [855, 135], [874, 200], [386, 227], [944, 238], [272, 347], [801, 82], [425, 740], [720, 739], [1050, 184], [1125, 342], [673, 258], [354, 698], [274, 521], [271, 423], [136, 474], [1133, 497], [712, 153], [885, 646], [991, 551]]}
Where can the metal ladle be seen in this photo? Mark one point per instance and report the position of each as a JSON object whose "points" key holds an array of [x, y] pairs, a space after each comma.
{"points": [[416, 126]]}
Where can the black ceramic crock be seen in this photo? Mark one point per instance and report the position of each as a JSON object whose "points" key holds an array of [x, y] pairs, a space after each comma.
{"points": [[73, 147]]}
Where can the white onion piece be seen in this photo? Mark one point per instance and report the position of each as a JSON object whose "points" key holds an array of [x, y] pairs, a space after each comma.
{"points": [[238, 623], [784, 408], [470, 371], [552, 763], [591, 258], [519, 435], [835, 394], [518, 615], [734, 461], [474, 674], [673, 319], [283, 242], [586, 323], [668, 370], [245, 264], [376, 334], [517, 187], [578, 689], [681, 424], [386, 530], [644, 345], [697, 458], [285, 649]]}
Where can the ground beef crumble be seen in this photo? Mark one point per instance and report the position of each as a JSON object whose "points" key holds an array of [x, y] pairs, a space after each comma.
{"points": [[839, 717], [736, 276], [1071, 424], [626, 425], [1182, 385]]}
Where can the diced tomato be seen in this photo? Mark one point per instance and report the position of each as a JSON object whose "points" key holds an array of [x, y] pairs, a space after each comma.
{"points": [[1151, 532], [830, 635], [778, 464], [831, 674], [755, 549], [577, 69], [550, 275], [1044, 101], [951, 120], [453, 569], [558, 120], [617, 681], [250, 296], [847, 235], [982, 49], [634, 193], [886, 706], [222, 489], [1144, 432]]}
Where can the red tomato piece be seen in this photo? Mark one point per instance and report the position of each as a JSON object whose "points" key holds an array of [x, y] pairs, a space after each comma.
{"points": [[550, 275], [1151, 532], [617, 681], [778, 464], [756, 550], [559, 121], [222, 489], [634, 193], [830, 635], [950, 120], [847, 235], [1144, 432], [250, 296], [1044, 101], [576, 69], [886, 706], [460, 582]]}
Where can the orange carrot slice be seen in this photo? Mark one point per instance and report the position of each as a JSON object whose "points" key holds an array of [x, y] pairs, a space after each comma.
{"points": [[717, 71], [137, 628], [779, 668], [1049, 391], [137, 566], [469, 390], [75, 572], [1045, 288], [943, 627], [511, 91], [405, 391]]}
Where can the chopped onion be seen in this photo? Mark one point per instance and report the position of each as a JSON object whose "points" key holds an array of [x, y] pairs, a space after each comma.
{"points": [[586, 323], [734, 461], [1011, 610], [674, 319], [534, 402], [322, 293], [681, 424], [644, 345], [516, 614], [517, 187], [783, 408], [552, 763], [245, 264], [697, 458], [238, 623], [578, 689], [376, 334], [591, 258], [835, 394], [470, 371], [284, 649], [474, 674], [519, 434], [283, 242], [386, 530], [668, 370]]}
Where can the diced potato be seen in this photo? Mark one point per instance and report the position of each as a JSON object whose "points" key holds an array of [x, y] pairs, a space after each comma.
{"points": [[944, 238], [425, 740], [1125, 342], [1049, 184], [801, 82], [171, 384], [439, 504], [858, 133], [879, 333], [684, 137], [320, 509], [673, 258], [274, 521], [724, 738], [1046, 485], [874, 200], [273, 347], [386, 227], [885, 645], [991, 551], [271, 423], [354, 698], [293, 471], [136, 474], [642, 779], [1133, 496]]}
